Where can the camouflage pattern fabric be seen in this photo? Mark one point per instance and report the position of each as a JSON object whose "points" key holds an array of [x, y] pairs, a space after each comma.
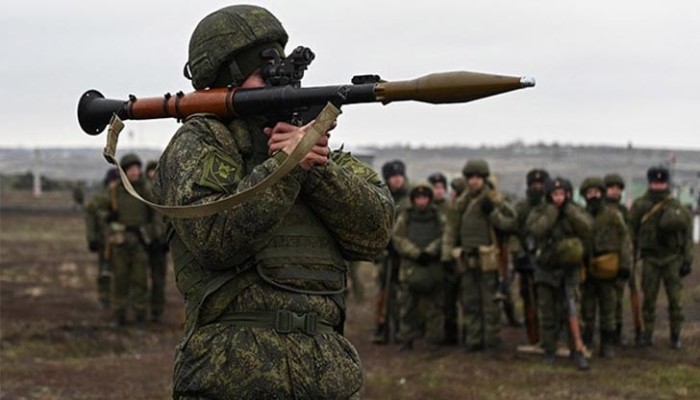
{"points": [[208, 159], [96, 211]]}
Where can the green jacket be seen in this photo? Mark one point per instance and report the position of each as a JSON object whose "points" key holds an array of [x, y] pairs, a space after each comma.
{"points": [[610, 235]]}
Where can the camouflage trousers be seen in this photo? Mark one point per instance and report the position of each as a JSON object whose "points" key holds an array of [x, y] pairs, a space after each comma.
{"points": [[130, 276], [598, 297], [654, 272], [223, 361], [104, 279], [551, 313], [482, 316], [449, 308], [421, 309]]}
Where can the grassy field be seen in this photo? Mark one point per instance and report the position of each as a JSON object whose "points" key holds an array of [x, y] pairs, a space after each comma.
{"points": [[55, 342]]}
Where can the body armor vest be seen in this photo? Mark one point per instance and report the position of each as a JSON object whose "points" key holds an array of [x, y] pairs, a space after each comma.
{"points": [[423, 227]]}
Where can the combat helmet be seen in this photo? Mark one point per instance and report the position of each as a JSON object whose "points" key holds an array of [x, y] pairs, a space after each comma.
{"points": [[614, 179], [476, 167], [591, 181], [225, 46], [128, 160]]}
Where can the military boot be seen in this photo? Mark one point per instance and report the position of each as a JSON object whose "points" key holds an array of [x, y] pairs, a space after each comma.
{"points": [[509, 310], [675, 340], [580, 360], [645, 340], [119, 321], [617, 335], [381, 334], [607, 339]]}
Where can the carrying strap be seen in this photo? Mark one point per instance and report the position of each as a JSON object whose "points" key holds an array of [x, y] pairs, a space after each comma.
{"points": [[655, 209], [322, 123]]}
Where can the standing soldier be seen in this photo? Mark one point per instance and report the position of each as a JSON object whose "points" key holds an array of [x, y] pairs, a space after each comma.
{"points": [[387, 310], [157, 256], [661, 231], [96, 212], [470, 239], [417, 240], [523, 249], [131, 230], [560, 229], [264, 280], [458, 186], [438, 182], [609, 260], [614, 187]]}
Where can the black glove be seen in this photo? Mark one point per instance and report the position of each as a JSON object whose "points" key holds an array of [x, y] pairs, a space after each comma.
{"points": [[623, 273], [685, 269], [448, 266], [487, 205], [424, 258], [94, 246]]}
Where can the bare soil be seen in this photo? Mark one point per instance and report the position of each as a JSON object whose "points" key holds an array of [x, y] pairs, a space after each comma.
{"points": [[56, 343]]}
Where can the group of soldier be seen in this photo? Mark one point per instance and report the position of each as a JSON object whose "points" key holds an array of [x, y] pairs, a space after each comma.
{"points": [[128, 237], [459, 256]]}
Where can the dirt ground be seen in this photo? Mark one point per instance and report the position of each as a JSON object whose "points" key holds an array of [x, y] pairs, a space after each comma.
{"points": [[55, 342]]}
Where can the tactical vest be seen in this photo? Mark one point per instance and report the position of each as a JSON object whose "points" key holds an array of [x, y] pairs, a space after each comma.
{"points": [[423, 227], [475, 228]]}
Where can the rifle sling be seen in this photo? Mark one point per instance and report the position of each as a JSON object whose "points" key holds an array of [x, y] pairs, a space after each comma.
{"points": [[318, 128]]}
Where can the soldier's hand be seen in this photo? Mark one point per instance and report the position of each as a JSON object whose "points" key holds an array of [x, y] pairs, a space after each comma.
{"points": [[113, 216], [94, 246], [685, 269], [285, 137], [623, 273]]}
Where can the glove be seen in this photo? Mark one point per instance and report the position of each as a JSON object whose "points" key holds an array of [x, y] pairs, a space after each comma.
{"points": [[685, 269], [448, 267], [94, 246], [487, 205], [113, 216], [424, 258], [623, 273]]}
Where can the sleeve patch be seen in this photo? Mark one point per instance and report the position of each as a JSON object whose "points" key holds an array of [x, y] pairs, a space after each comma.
{"points": [[220, 172]]}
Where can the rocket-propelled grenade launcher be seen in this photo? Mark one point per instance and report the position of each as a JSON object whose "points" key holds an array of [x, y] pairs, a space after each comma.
{"points": [[283, 98]]}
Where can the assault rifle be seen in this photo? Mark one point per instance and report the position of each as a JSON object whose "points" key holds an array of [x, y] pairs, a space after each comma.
{"points": [[283, 98]]}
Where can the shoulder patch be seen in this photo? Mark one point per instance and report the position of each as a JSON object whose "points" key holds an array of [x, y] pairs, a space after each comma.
{"points": [[358, 168], [220, 172]]}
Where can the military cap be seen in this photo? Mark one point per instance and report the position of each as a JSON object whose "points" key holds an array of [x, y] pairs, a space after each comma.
{"points": [[437, 177], [658, 173], [536, 175], [614, 179], [421, 189], [557, 183], [394, 167]]}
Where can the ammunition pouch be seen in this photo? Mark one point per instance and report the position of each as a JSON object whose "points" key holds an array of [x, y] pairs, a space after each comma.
{"points": [[568, 251], [489, 258], [424, 278], [605, 266]]}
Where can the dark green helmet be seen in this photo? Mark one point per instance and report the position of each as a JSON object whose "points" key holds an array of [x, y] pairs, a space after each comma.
{"points": [[458, 184], [476, 167], [128, 160], [225, 46], [591, 181], [614, 179], [421, 189]]}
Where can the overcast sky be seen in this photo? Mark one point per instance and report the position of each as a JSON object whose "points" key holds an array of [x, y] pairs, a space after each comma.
{"points": [[608, 72]]}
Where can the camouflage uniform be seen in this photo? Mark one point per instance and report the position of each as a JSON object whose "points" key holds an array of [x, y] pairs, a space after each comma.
{"points": [[387, 313], [476, 216], [560, 234], [96, 212], [661, 229], [520, 249], [131, 230], [263, 281], [599, 293], [417, 239]]}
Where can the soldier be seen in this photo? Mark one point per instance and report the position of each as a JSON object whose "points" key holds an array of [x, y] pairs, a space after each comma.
{"points": [[661, 230], [417, 240], [470, 239], [522, 248], [614, 187], [96, 212], [130, 233], [387, 310], [458, 186], [157, 256], [560, 229], [263, 281], [609, 260], [438, 184]]}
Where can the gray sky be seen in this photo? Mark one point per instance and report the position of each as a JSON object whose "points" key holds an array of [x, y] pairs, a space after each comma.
{"points": [[608, 72]]}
